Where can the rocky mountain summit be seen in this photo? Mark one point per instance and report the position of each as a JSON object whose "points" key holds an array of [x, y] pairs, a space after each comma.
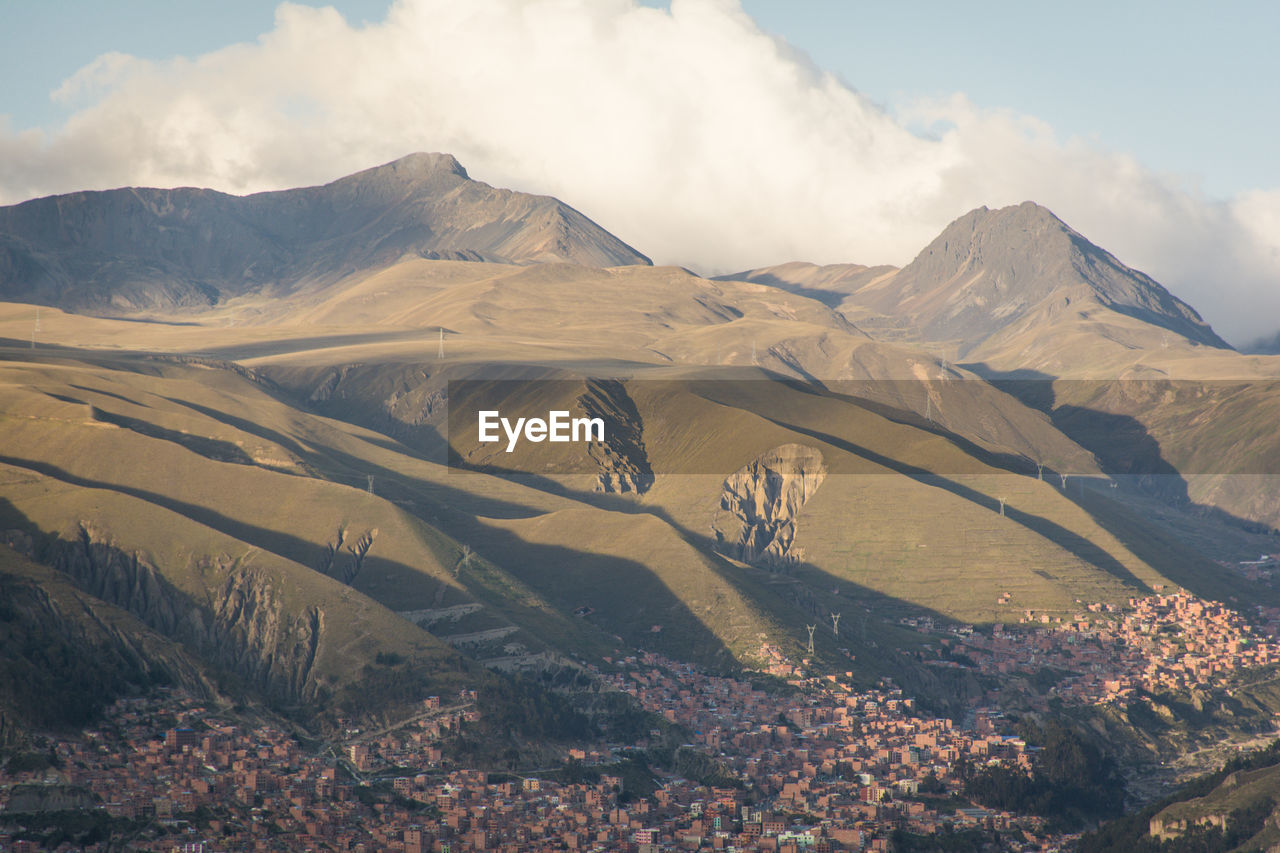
{"points": [[137, 250], [997, 272]]}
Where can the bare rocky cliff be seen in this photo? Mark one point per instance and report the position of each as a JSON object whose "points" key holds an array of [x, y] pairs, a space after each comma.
{"points": [[241, 627], [621, 457], [761, 502]]}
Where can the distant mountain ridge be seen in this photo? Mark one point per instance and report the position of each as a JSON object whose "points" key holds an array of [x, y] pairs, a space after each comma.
{"points": [[999, 283], [829, 284], [140, 249]]}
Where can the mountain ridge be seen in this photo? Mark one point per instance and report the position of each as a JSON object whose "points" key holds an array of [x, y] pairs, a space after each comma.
{"points": [[137, 250]]}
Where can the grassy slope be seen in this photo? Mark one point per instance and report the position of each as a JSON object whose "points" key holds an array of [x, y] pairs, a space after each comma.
{"points": [[540, 547], [197, 519]]}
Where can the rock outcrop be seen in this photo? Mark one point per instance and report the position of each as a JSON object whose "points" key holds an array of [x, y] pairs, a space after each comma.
{"points": [[760, 503], [345, 568], [621, 457], [242, 626]]}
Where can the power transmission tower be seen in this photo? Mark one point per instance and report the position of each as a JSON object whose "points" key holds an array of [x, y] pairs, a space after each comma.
{"points": [[370, 476], [1002, 501], [440, 354], [835, 624], [811, 630]]}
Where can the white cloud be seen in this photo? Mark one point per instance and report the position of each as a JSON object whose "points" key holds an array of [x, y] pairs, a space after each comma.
{"points": [[690, 133]]}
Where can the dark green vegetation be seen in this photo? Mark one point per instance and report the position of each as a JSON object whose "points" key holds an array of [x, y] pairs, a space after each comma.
{"points": [[81, 829], [1221, 811], [637, 770], [948, 841], [1071, 781], [50, 681]]}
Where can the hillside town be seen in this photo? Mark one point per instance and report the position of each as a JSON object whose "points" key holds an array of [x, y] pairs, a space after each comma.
{"points": [[810, 765], [1109, 654], [828, 769]]}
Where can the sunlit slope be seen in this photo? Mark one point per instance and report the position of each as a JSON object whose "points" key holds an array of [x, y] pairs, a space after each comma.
{"points": [[256, 614], [1209, 441], [204, 447], [918, 454], [638, 578], [152, 497], [161, 440], [906, 510], [628, 321], [640, 314], [914, 514], [647, 582]]}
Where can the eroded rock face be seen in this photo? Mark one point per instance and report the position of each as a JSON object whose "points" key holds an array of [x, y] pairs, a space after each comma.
{"points": [[759, 505], [621, 457], [242, 626]]}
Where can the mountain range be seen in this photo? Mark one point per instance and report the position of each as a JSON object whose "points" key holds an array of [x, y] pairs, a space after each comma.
{"points": [[229, 431]]}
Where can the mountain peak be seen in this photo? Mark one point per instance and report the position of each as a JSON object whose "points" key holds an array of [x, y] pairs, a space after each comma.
{"points": [[421, 165], [991, 270], [140, 249], [1016, 228], [421, 171]]}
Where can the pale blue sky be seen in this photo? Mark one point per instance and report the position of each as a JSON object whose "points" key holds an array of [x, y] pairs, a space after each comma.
{"points": [[43, 42], [1184, 88]]}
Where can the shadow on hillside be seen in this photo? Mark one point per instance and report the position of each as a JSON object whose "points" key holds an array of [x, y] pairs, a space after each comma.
{"points": [[337, 466], [1133, 458], [628, 598], [1082, 548], [454, 512], [118, 578], [785, 592], [284, 346], [312, 555]]}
